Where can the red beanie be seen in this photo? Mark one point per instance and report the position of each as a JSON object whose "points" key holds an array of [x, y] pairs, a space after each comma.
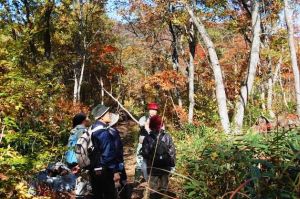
{"points": [[155, 123], [152, 106]]}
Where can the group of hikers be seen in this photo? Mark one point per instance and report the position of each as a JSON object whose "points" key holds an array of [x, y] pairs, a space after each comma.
{"points": [[98, 149]]}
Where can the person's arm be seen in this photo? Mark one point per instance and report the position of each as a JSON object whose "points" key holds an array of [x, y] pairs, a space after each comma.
{"points": [[108, 150], [147, 125], [146, 148], [96, 144], [120, 152], [172, 150]]}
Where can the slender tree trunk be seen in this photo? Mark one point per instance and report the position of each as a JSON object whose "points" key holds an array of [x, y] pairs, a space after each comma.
{"points": [[30, 26], [192, 47], [263, 95], [289, 22], [175, 59], [75, 89], [271, 82], [220, 88], [47, 35], [253, 62], [282, 91], [81, 77], [82, 51]]}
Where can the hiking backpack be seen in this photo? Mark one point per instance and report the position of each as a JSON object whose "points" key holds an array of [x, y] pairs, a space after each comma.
{"points": [[84, 147], [70, 156], [160, 156]]}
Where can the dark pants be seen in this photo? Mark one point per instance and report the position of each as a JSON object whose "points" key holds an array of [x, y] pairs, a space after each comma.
{"points": [[103, 185], [124, 192]]}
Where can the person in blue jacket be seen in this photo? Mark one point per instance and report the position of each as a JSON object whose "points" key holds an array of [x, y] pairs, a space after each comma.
{"points": [[104, 173]]}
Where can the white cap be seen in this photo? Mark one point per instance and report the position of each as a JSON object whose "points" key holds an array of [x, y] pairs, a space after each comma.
{"points": [[142, 121]]}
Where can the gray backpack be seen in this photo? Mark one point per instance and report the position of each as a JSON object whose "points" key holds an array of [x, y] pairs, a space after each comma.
{"points": [[84, 147]]}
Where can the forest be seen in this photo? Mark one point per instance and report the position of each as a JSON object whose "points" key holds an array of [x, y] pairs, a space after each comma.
{"points": [[225, 74]]}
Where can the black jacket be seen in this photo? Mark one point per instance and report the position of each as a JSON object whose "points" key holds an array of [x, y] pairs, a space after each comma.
{"points": [[149, 146]]}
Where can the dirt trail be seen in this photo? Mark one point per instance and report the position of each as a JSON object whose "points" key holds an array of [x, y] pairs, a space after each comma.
{"points": [[129, 134]]}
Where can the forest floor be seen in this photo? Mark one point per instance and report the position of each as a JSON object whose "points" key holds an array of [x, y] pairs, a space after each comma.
{"points": [[129, 134]]}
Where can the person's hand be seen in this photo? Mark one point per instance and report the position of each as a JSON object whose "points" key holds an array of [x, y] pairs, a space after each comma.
{"points": [[172, 170], [75, 169], [121, 166], [117, 177]]}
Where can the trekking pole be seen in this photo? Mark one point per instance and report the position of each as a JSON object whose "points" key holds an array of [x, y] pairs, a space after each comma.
{"points": [[155, 149]]}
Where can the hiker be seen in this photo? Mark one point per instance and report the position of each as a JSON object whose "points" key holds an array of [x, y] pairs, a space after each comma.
{"points": [[141, 165], [159, 152], [104, 173], [124, 194], [80, 124]]}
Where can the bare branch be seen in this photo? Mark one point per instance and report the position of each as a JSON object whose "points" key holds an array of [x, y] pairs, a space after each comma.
{"points": [[110, 95]]}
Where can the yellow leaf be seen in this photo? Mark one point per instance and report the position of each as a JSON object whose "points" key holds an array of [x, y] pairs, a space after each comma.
{"points": [[214, 156]]}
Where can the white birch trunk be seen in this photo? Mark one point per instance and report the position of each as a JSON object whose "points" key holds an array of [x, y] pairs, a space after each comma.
{"points": [[220, 89], [289, 22], [75, 89], [191, 76], [253, 62], [80, 78], [271, 82], [283, 92]]}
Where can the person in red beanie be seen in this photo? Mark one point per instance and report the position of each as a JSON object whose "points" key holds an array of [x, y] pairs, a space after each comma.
{"points": [[159, 152], [141, 166]]}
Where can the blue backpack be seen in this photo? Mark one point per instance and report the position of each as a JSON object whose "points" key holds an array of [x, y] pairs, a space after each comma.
{"points": [[70, 156]]}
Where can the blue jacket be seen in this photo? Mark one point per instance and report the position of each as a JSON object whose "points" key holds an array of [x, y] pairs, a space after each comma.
{"points": [[119, 148], [103, 142]]}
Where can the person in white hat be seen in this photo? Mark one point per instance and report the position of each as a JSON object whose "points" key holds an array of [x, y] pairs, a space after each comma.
{"points": [[104, 172]]}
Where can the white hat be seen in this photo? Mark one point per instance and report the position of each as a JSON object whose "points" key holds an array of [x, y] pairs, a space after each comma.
{"points": [[142, 121]]}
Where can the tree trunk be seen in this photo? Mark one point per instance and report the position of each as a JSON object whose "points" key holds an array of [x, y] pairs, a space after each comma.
{"points": [[289, 22], [192, 47], [271, 82], [282, 91], [82, 52], [81, 77], [220, 89], [75, 89], [47, 36], [30, 26], [253, 62], [175, 59]]}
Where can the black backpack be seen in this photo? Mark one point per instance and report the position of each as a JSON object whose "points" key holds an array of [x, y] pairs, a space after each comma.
{"points": [[161, 156]]}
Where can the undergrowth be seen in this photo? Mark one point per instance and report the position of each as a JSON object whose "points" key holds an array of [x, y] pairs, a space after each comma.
{"points": [[214, 165]]}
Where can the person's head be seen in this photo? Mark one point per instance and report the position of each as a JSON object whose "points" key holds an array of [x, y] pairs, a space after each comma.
{"points": [[152, 108], [80, 119], [105, 118], [101, 113], [155, 123]]}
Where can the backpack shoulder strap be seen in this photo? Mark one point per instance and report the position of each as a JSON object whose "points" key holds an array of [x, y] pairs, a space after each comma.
{"points": [[97, 129], [161, 136]]}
